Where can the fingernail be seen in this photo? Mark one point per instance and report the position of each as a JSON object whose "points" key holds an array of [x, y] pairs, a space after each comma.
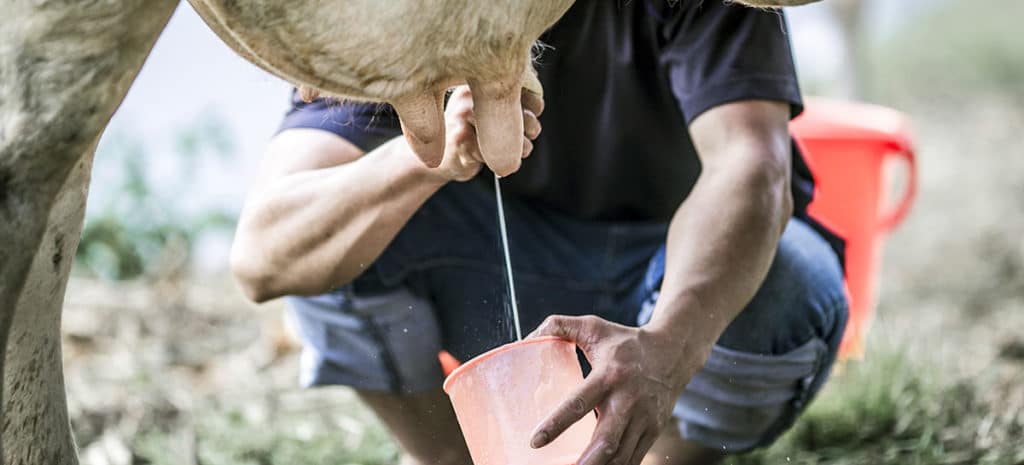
{"points": [[539, 439]]}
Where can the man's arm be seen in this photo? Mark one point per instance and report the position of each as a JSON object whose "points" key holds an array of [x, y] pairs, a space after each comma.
{"points": [[320, 208], [720, 245], [322, 211], [723, 238]]}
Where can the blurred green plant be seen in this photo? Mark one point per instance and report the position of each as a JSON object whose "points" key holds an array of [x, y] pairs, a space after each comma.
{"points": [[954, 52], [137, 224]]}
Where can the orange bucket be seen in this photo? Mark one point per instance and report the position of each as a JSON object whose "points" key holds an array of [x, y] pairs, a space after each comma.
{"points": [[846, 146], [500, 397]]}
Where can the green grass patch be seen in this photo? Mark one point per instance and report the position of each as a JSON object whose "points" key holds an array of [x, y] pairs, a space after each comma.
{"points": [[890, 410], [339, 433], [886, 410]]}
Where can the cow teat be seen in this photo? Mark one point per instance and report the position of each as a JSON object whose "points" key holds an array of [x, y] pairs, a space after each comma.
{"points": [[403, 52]]}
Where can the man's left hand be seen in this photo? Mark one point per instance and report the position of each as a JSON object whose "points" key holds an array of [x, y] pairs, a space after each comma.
{"points": [[636, 378]]}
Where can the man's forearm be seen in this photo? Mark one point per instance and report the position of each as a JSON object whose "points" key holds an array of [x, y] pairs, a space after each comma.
{"points": [[311, 231], [720, 245], [719, 248]]}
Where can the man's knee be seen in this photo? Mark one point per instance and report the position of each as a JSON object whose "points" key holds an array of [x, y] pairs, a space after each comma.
{"points": [[383, 341], [776, 354], [801, 299]]}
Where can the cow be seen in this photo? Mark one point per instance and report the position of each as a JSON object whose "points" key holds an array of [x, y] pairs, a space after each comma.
{"points": [[65, 67]]}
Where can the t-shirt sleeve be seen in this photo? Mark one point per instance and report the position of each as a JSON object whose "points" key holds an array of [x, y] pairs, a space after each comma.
{"points": [[366, 125], [716, 53]]}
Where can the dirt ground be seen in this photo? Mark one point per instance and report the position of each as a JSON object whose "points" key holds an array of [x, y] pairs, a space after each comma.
{"points": [[189, 373]]}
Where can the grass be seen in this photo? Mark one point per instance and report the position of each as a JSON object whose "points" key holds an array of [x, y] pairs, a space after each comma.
{"points": [[333, 429], [894, 410], [890, 410], [958, 72]]}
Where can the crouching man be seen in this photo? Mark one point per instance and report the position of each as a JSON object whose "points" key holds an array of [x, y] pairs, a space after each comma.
{"points": [[660, 223]]}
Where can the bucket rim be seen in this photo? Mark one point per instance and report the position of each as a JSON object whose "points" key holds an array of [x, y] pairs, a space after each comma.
{"points": [[495, 351]]}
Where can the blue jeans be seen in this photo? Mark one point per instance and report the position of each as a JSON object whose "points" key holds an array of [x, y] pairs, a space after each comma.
{"points": [[440, 284]]}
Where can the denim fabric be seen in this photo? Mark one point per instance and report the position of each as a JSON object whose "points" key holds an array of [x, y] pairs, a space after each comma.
{"points": [[441, 283]]}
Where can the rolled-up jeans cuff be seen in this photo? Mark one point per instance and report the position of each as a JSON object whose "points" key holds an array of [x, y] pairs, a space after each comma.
{"points": [[741, 401]]}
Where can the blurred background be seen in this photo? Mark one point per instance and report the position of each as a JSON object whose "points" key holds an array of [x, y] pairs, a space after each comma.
{"points": [[168, 364]]}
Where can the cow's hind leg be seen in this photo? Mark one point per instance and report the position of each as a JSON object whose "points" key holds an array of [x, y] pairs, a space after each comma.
{"points": [[64, 69]]}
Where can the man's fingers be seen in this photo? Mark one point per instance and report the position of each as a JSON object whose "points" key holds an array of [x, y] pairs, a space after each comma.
{"points": [[468, 145], [527, 147], [642, 447], [308, 94], [607, 439], [581, 403], [533, 102], [579, 329], [422, 118], [499, 124], [628, 443], [460, 104], [459, 92], [531, 125]]}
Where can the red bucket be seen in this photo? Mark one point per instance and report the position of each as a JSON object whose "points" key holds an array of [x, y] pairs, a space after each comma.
{"points": [[846, 146]]}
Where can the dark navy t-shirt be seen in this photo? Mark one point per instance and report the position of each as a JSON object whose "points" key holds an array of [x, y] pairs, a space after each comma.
{"points": [[622, 81]]}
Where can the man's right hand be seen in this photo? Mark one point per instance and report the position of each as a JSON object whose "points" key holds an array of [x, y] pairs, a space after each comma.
{"points": [[462, 155]]}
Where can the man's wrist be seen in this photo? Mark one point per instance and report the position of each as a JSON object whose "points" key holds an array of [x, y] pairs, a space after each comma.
{"points": [[686, 329], [688, 337], [435, 177], [680, 353]]}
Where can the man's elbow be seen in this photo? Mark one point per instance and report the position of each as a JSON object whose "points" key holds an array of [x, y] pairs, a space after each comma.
{"points": [[767, 181], [256, 280], [774, 181], [257, 274], [262, 280], [786, 207]]}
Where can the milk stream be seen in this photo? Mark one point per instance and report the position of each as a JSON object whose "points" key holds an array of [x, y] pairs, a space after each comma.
{"points": [[510, 282]]}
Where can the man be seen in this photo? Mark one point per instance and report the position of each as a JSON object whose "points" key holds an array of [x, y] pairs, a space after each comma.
{"points": [[661, 216]]}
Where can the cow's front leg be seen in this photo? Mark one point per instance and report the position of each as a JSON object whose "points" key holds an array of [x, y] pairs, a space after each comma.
{"points": [[64, 68], [36, 428]]}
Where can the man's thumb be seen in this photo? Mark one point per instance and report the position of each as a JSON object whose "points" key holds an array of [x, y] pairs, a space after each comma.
{"points": [[572, 328]]}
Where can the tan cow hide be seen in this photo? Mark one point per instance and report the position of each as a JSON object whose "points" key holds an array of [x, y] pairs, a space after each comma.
{"points": [[403, 52]]}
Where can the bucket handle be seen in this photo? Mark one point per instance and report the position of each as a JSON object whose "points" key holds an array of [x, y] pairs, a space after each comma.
{"points": [[896, 214]]}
